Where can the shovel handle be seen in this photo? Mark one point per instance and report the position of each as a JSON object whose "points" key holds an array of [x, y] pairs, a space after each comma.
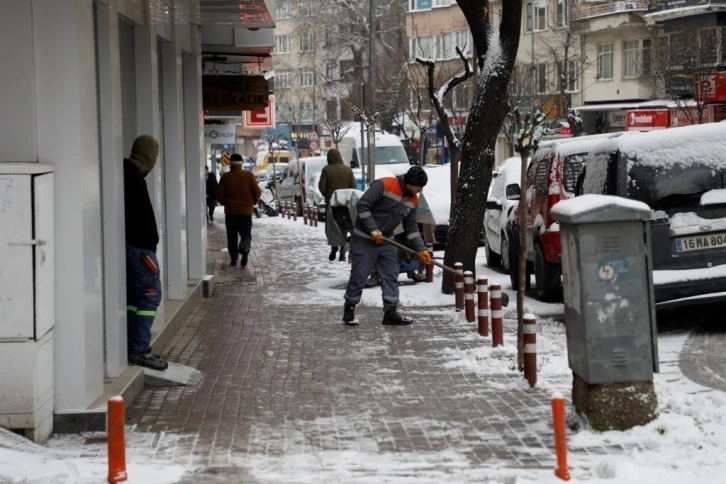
{"points": [[413, 252]]}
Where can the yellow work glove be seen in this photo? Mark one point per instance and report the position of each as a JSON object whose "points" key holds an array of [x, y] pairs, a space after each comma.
{"points": [[377, 236], [424, 256]]}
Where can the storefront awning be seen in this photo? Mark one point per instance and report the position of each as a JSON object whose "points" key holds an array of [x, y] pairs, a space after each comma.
{"points": [[251, 14]]}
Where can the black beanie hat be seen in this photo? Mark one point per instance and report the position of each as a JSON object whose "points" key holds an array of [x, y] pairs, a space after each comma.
{"points": [[416, 176]]}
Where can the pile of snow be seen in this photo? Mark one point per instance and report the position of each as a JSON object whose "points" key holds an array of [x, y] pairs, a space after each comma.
{"points": [[714, 197], [591, 203]]}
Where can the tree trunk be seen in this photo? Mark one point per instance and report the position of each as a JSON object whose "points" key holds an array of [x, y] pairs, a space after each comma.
{"points": [[453, 178], [421, 142], [522, 222]]}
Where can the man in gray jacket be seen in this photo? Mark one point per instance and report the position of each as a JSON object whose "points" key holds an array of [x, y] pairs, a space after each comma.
{"points": [[387, 203]]}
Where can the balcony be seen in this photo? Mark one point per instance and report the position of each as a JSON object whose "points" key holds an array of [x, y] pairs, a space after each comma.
{"points": [[668, 9], [585, 11]]}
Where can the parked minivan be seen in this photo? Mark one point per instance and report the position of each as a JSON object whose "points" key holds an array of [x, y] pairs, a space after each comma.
{"points": [[389, 151], [501, 201], [552, 176], [681, 174], [289, 190]]}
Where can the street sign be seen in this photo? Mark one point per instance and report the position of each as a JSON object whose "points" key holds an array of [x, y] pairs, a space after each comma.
{"points": [[264, 118], [313, 145]]}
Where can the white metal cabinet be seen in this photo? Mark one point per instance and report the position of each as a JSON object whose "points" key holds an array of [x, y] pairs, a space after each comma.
{"points": [[27, 301]]}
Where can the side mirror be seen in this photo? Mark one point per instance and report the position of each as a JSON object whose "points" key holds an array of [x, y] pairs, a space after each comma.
{"points": [[412, 161], [354, 164], [493, 205], [513, 192]]}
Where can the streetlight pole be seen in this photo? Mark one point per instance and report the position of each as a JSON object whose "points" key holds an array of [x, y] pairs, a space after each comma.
{"points": [[372, 81]]}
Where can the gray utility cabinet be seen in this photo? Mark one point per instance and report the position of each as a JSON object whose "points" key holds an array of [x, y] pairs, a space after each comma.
{"points": [[608, 288]]}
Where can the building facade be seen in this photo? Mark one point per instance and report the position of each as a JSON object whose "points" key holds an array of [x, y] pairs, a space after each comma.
{"points": [[82, 80]]}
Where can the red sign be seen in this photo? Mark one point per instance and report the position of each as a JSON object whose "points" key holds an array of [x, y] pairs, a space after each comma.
{"points": [[565, 131], [647, 120], [458, 120], [264, 118], [710, 87], [717, 112]]}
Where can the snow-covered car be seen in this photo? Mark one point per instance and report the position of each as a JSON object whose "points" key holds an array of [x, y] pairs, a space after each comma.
{"points": [[314, 199], [681, 174], [503, 196], [291, 179]]}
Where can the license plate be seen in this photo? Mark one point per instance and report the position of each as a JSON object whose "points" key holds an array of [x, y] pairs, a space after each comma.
{"points": [[700, 242]]}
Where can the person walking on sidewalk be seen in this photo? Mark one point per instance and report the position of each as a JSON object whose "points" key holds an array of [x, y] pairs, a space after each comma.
{"points": [[211, 193], [143, 286], [336, 176], [387, 203], [239, 192]]}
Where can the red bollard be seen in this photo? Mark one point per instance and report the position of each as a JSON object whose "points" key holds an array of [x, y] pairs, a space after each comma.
{"points": [[497, 316], [459, 286], [288, 210], [294, 214], [558, 418], [305, 215], [116, 440], [469, 296], [315, 217], [483, 306], [430, 267], [530, 349]]}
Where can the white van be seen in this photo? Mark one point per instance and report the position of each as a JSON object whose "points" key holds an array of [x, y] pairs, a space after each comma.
{"points": [[289, 189], [389, 151]]}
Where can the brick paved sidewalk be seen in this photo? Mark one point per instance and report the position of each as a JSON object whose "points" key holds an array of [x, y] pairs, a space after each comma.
{"points": [[292, 395]]}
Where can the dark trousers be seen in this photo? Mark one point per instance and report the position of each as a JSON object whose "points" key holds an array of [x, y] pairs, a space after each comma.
{"points": [[239, 233], [143, 296], [211, 205], [366, 256]]}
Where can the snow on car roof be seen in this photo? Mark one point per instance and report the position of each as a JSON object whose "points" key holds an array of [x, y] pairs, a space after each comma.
{"points": [[703, 144]]}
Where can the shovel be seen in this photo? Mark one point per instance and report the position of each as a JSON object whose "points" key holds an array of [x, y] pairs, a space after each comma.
{"points": [[414, 253]]}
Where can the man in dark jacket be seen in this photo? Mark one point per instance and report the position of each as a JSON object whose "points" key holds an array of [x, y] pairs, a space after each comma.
{"points": [[387, 203], [211, 193], [143, 286], [336, 176], [239, 192]]}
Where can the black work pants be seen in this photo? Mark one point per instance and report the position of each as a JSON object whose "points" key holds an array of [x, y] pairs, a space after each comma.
{"points": [[239, 233], [211, 205]]}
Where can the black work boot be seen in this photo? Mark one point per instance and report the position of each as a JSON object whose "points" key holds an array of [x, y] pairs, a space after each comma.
{"points": [[341, 257], [233, 262], [333, 252], [349, 316], [148, 360], [245, 256], [392, 318]]}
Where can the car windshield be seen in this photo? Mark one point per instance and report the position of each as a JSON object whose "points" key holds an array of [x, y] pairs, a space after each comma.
{"points": [[680, 185], [389, 155]]}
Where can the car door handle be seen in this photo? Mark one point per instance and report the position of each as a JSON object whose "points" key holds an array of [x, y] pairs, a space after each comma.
{"points": [[28, 242]]}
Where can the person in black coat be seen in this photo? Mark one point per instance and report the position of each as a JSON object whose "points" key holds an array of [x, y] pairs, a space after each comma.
{"points": [[211, 193]]}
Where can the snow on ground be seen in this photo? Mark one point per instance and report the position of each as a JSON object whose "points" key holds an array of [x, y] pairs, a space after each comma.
{"points": [[22, 461]]}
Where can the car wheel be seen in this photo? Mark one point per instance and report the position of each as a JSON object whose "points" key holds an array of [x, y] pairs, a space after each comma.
{"points": [[493, 259], [504, 251], [548, 276]]}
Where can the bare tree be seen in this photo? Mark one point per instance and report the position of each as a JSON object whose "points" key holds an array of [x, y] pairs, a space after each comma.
{"points": [[519, 91], [496, 53], [673, 66]]}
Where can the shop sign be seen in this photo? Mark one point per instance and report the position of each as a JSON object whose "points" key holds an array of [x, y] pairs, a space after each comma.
{"points": [[219, 134], [717, 112], [263, 118], [647, 120], [710, 87], [618, 119], [234, 93]]}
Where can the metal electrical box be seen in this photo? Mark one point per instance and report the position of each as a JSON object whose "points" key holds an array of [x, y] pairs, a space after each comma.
{"points": [[608, 288], [27, 298]]}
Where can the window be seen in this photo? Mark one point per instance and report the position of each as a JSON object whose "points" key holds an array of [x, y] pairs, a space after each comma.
{"points": [[462, 96], [605, 61], [571, 76], [305, 8], [561, 14], [445, 46], [541, 79], [307, 78], [442, 3], [536, 12], [708, 46], [307, 42], [636, 57], [331, 70], [463, 39], [282, 80], [420, 47], [331, 109], [675, 46], [306, 110], [282, 44], [346, 67], [283, 9]]}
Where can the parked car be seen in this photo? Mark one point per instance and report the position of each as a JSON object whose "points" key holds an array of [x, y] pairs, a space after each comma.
{"points": [[552, 176], [291, 180], [681, 174], [501, 201], [265, 159], [315, 199]]}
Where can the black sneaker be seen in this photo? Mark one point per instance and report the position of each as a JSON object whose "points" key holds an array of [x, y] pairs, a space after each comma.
{"points": [[245, 256], [333, 253], [148, 360], [392, 318], [349, 316]]}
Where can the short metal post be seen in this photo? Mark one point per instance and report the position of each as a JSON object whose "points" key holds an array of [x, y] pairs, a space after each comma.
{"points": [[560, 426], [116, 440], [469, 296], [294, 213], [497, 316], [315, 217], [459, 286], [305, 215], [430, 267], [483, 306], [530, 349], [288, 208]]}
